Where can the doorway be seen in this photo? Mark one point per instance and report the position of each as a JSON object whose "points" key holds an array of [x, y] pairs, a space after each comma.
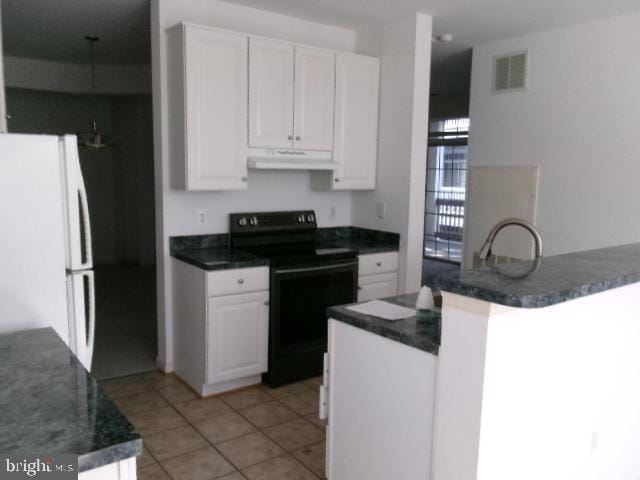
{"points": [[55, 98], [445, 196]]}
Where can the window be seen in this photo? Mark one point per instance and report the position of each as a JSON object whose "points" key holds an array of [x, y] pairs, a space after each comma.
{"points": [[446, 189]]}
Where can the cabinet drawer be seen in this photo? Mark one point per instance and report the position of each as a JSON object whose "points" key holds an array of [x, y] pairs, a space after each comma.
{"points": [[377, 263], [377, 286], [239, 280]]}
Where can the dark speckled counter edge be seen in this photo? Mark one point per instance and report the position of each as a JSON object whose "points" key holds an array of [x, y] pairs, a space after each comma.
{"points": [[556, 279], [113, 454], [190, 248], [221, 265], [427, 339]]}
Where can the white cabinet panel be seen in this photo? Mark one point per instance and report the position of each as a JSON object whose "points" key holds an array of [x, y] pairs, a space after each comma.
{"points": [[314, 98], [377, 286], [237, 280], [381, 407], [375, 263], [122, 470], [356, 121], [238, 327], [270, 93], [208, 89]]}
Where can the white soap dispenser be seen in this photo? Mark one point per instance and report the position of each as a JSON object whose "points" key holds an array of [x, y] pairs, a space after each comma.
{"points": [[424, 302]]}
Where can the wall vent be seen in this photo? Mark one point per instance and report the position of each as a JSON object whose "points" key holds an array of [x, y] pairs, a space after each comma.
{"points": [[510, 72]]}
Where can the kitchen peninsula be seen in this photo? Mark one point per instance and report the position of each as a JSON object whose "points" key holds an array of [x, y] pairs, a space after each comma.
{"points": [[51, 405], [533, 377]]}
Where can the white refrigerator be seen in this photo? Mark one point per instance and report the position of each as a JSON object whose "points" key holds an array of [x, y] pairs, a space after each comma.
{"points": [[46, 276]]}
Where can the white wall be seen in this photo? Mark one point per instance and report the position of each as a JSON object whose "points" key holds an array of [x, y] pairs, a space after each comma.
{"points": [[3, 113], [542, 393], [578, 120], [71, 78], [405, 55], [176, 211]]}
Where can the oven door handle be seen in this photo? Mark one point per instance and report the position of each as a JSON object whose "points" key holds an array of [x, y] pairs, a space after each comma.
{"points": [[316, 269]]}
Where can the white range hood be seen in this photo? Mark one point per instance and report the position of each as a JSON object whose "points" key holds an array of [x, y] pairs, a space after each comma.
{"points": [[290, 159]]}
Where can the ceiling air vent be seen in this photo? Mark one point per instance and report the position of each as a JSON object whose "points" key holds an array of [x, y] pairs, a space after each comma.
{"points": [[510, 72]]}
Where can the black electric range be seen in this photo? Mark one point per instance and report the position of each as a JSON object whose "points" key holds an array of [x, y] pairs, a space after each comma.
{"points": [[306, 277]]}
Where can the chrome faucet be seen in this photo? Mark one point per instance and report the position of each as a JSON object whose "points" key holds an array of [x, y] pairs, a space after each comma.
{"points": [[485, 251]]}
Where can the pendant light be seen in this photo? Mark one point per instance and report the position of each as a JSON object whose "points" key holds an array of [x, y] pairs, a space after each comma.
{"points": [[94, 139]]}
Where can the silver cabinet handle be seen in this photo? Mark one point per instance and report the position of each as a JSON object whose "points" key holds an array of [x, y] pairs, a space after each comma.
{"points": [[241, 281], [266, 302], [336, 180], [244, 179], [290, 137], [378, 264], [298, 138], [359, 287]]}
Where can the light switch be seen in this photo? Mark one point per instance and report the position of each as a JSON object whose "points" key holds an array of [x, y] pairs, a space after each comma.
{"points": [[381, 208]]}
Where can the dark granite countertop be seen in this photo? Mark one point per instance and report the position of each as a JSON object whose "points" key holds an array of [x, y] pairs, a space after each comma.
{"points": [[51, 405], [211, 252], [556, 279], [363, 240], [220, 258], [421, 334]]}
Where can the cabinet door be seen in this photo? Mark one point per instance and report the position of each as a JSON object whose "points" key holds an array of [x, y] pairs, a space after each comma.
{"points": [[237, 336], [216, 109], [377, 286], [270, 94], [356, 122], [314, 99]]}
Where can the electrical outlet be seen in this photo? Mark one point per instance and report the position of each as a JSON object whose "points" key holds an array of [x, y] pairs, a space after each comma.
{"points": [[202, 217], [381, 209], [332, 212]]}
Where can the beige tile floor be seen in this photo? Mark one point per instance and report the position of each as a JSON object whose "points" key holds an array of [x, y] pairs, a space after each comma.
{"points": [[257, 433]]}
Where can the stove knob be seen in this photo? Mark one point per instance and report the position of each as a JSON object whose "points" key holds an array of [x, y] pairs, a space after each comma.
{"points": [[242, 221], [311, 218], [253, 221], [300, 218]]}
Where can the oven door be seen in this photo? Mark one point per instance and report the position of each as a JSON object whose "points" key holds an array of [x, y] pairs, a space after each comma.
{"points": [[300, 296]]}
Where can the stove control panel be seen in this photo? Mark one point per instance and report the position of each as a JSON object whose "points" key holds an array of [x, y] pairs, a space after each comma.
{"points": [[272, 222]]}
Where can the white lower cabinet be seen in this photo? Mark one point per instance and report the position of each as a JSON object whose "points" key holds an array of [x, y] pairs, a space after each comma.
{"points": [[237, 338], [122, 470], [377, 275], [380, 402], [377, 286], [221, 326]]}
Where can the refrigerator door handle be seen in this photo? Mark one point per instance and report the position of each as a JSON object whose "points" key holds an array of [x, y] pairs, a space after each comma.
{"points": [[82, 307], [91, 330], [84, 209], [77, 207]]}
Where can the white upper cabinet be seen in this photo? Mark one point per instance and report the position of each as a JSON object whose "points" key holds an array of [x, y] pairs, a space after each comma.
{"points": [[231, 96], [291, 96], [314, 99], [270, 93], [356, 122], [208, 86]]}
